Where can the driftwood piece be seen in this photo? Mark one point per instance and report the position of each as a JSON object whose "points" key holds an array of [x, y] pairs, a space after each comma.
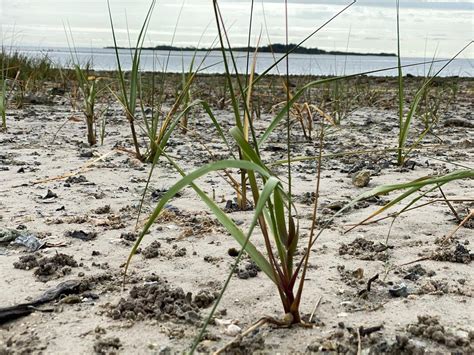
{"points": [[23, 309]]}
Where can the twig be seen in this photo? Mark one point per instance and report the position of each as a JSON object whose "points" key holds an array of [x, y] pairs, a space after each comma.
{"points": [[256, 325], [367, 331], [394, 214], [372, 279], [81, 169], [359, 343], [450, 235], [316, 307], [415, 261], [365, 291], [449, 205]]}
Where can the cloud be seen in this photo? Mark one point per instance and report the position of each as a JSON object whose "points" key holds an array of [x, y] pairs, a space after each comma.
{"points": [[414, 4], [370, 23]]}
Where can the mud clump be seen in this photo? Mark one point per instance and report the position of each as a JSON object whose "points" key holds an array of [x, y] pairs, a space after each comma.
{"points": [[246, 345], [352, 278], [429, 327], [457, 254], [85, 236], [198, 225], [129, 236], [47, 268], [365, 249], [102, 210], [307, 198], [152, 251], [415, 272], [107, 346], [250, 269], [157, 300], [26, 262], [192, 224], [345, 340], [76, 179], [23, 344], [204, 299]]}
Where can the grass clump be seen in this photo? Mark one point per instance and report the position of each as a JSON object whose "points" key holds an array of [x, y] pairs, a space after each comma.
{"points": [[130, 91]]}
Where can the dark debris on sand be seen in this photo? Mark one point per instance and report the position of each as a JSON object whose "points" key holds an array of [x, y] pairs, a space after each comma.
{"points": [[156, 299], [456, 254], [47, 268], [365, 250]]}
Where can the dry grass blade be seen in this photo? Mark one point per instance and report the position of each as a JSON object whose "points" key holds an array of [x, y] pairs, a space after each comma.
{"points": [[83, 168]]}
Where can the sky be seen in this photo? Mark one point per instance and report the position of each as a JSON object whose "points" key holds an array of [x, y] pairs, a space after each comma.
{"points": [[428, 27]]}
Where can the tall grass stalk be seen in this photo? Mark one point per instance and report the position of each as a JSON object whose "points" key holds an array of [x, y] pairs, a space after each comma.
{"points": [[273, 204], [405, 119], [411, 189], [3, 86], [129, 93], [88, 87], [274, 212], [3, 99]]}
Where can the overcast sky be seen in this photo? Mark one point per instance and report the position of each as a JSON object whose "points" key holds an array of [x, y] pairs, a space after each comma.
{"points": [[427, 26]]}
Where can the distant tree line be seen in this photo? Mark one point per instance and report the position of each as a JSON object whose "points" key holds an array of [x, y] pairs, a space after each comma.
{"points": [[275, 48]]}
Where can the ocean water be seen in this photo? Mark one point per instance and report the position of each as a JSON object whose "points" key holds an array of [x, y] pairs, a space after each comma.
{"points": [[299, 64]]}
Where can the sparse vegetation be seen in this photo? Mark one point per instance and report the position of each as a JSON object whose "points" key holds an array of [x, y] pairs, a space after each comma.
{"points": [[274, 162]]}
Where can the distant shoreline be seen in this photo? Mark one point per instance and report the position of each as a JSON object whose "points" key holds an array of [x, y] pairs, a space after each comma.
{"points": [[276, 48]]}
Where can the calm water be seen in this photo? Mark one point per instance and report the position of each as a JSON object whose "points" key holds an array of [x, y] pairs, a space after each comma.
{"points": [[300, 64]]}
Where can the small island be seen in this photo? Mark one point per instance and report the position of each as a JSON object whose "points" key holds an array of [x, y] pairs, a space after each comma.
{"points": [[275, 48]]}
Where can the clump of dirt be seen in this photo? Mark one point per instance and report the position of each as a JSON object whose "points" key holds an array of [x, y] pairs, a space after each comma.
{"points": [[47, 268], [250, 269], [456, 254], [345, 340], [129, 236], [111, 221], [107, 346], [416, 272], [179, 252], [23, 344], [198, 224], [351, 278], [441, 287], [76, 179], [365, 250], [192, 223], [102, 210], [68, 220], [247, 345], [85, 236], [26, 262], [429, 328], [104, 280], [307, 198], [204, 299], [152, 250], [233, 206], [156, 299]]}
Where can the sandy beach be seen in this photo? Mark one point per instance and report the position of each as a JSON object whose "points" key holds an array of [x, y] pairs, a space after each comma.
{"points": [[412, 295]]}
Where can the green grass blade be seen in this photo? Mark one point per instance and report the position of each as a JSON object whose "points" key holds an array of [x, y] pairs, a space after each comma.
{"points": [[120, 73], [220, 215], [269, 188], [245, 146]]}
